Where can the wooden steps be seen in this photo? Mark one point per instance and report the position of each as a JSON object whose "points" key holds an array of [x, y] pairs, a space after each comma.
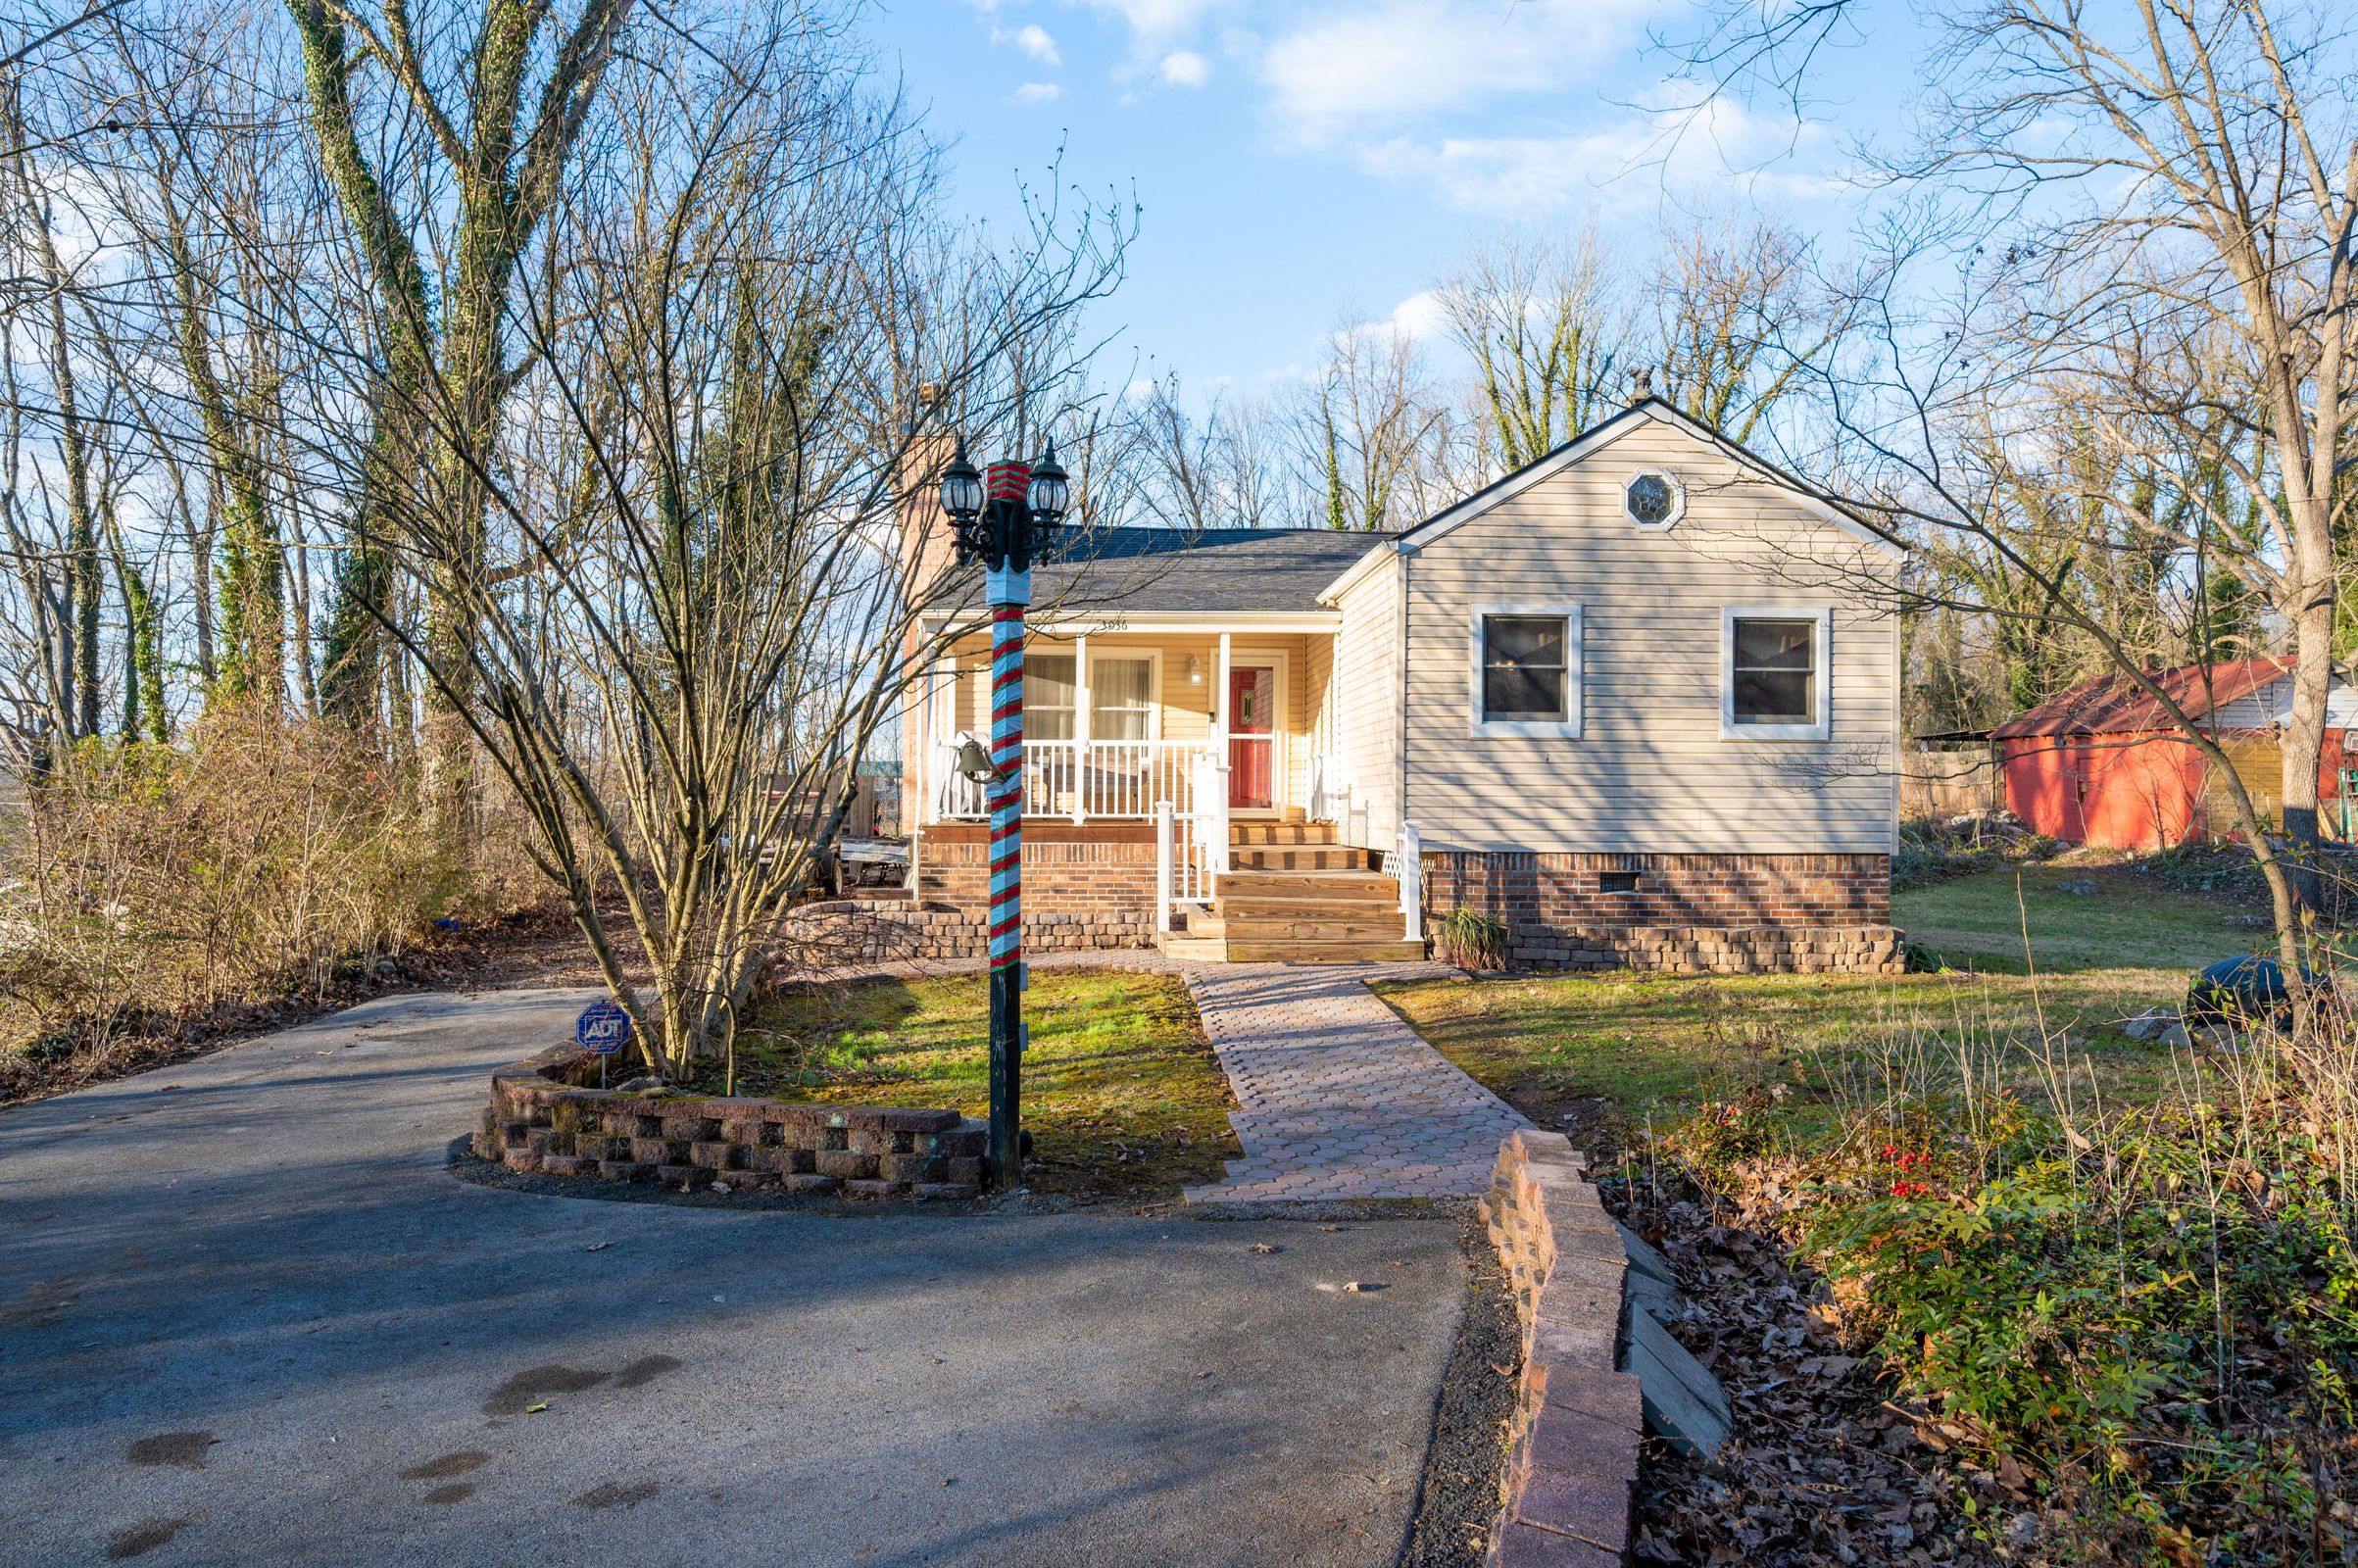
{"points": [[1292, 895]]}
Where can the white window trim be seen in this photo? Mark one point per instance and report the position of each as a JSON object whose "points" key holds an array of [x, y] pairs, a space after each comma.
{"points": [[1819, 728], [1576, 683], [1678, 500]]}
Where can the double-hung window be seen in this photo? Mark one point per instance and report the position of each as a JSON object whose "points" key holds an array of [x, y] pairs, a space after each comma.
{"points": [[1773, 673], [1524, 671]]}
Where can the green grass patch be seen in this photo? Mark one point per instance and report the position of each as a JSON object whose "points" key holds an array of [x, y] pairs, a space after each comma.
{"points": [[2131, 921], [1617, 1050], [1122, 1094]]}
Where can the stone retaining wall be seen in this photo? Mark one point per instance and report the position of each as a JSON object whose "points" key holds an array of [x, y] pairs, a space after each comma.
{"points": [[1776, 950], [539, 1119], [847, 932], [1574, 1454]]}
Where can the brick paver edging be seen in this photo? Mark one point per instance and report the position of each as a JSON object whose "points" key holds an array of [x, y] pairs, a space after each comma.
{"points": [[539, 1119], [1574, 1454]]}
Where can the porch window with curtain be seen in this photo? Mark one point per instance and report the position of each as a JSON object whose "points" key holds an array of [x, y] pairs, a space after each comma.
{"points": [[1121, 698], [1048, 696]]}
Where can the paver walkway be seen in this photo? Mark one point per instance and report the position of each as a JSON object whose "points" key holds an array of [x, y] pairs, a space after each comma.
{"points": [[1336, 1097]]}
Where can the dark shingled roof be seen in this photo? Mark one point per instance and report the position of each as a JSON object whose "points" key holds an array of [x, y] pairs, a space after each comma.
{"points": [[1175, 571]]}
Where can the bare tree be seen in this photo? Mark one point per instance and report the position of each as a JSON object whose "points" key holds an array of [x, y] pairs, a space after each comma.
{"points": [[686, 616], [1543, 324]]}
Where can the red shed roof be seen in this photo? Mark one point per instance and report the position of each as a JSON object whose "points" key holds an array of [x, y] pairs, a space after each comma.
{"points": [[2114, 704]]}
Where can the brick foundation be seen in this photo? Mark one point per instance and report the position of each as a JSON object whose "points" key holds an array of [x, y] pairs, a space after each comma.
{"points": [[1573, 1441], [1687, 913], [539, 1119]]}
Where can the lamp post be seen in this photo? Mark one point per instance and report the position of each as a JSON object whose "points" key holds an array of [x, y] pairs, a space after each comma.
{"points": [[1002, 516]]}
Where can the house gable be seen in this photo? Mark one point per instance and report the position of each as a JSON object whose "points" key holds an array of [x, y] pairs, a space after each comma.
{"points": [[1655, 765]]}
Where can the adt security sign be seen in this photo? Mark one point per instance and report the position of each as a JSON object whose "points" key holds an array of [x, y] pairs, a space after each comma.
{"points": [[603, 1027]]}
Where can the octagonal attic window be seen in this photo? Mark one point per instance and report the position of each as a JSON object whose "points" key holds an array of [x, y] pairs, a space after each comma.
{"points": [[1654, 499]]}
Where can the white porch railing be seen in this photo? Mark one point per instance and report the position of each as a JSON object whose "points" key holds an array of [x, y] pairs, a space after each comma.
{"points": [[1081, 780], [1406, 862]]}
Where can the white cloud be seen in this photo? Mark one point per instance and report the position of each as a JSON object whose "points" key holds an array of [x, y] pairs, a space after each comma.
{"points": [[1419, 316], [1184, 68], [1158, 22], [1034, 40], [1038, 92], [1373, 67], [1720, 145]]}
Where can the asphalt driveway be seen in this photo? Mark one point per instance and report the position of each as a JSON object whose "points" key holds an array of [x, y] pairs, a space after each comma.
{"points": [[247, 1315]]}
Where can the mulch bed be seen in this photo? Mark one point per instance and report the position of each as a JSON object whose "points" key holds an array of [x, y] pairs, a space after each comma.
{"points": [[539, 947], [1457, 1500], [1823, 1467]]}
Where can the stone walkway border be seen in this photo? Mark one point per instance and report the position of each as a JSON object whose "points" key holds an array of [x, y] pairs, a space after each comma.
{"points": [[1336, 1097], [1573, 1456]]}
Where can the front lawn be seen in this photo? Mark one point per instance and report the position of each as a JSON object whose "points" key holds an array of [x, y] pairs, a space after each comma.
{"points": [[2101, 1296], [1123, 1097], [2131, 920], [1614, 1051]]}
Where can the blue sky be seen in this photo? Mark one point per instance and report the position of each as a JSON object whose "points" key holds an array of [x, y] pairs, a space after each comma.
{"points": [[1300, 157]]}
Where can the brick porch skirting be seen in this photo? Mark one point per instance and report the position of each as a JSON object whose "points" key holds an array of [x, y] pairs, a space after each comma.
{"points": [[540, 1119], [1085, 886], [1687, 913]]}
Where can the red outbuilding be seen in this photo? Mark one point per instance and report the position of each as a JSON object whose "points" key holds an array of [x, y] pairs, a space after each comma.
{"points": [[2104, 765]]}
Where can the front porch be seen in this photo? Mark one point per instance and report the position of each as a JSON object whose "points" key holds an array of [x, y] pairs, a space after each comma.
{"points": [[1118, 722]]}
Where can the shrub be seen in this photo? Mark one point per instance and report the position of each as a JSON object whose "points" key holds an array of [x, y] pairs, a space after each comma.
{"points": [[251, 861], [1471, 939], [2151, 1309]]}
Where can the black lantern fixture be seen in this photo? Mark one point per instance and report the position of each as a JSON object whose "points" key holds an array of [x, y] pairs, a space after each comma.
{"points": [[963, 500], [1050, 489]]}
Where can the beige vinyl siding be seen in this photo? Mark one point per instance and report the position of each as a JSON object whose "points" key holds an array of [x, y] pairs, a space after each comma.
{"points": [[1366, 706], [1651, 770]]}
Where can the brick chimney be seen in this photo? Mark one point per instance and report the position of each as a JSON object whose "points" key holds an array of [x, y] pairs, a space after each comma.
{"points": [[926, 547], [927, 551]]}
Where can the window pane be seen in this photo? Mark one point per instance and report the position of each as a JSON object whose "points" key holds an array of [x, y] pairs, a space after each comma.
{"points": [[1046, 680], [1525, 641], [1047, 697], [1522, 693], [1121, 698], [1772, 697], [1775, 643], [1120, 682]]}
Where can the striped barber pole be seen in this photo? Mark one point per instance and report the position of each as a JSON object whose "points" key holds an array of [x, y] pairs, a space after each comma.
{"points": [[1008, 590], [1007, 793]]}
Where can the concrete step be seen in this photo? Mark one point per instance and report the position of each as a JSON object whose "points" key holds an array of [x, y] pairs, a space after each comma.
{"points": [[1398, 951]]}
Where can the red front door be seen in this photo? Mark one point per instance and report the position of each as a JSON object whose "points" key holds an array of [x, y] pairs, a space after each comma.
{"points": [[1251, 737]]}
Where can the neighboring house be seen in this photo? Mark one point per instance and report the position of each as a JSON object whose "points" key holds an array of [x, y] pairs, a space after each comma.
{"points": [[1637, 699], [2104, 763]]}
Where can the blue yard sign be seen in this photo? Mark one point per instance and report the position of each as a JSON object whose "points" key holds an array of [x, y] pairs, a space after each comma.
{"points": [[603, 1027]]}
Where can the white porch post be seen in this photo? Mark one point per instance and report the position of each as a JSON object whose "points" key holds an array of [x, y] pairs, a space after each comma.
{"points": [[1080, 727], [1219, 695], [1164, 854]]}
